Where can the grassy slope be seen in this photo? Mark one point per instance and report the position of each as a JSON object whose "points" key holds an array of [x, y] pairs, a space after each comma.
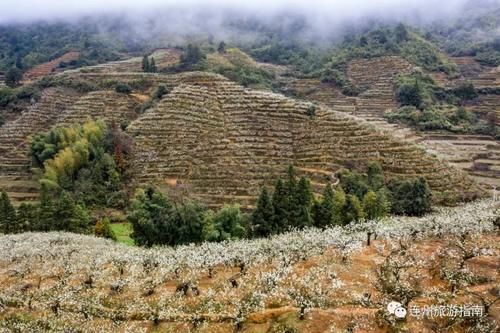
{"points": [[123, 232]]}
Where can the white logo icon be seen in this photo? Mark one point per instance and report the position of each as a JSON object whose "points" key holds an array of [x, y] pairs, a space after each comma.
{"points": [[391, 307], [400, 312], [396, 309]]}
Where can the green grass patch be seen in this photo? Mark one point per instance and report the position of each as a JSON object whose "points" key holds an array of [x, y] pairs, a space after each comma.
{"points": [[123, 232]]}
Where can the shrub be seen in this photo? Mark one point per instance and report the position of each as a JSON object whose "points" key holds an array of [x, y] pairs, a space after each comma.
{"points": [[123, 88], [410, 94], [13, 77], [161, 91], [465, 92], [103, 229], [225, 224], [156, 220], [410, 197]]}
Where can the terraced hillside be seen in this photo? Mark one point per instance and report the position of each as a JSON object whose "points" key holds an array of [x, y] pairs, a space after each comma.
{"points": [[163, 58], [375, 78], [49, 67], [107, 105], [15, 175], [57, 107], [220, 143], [477, 155]]}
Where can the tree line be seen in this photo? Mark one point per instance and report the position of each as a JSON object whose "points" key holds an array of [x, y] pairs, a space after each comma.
{"points": [[292, 205]]}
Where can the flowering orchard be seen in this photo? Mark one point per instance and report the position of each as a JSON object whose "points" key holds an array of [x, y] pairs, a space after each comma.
{"points": [[346, 275]]}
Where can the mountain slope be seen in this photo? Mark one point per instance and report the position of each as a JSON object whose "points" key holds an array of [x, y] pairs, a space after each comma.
{"points": [[221, 142]]}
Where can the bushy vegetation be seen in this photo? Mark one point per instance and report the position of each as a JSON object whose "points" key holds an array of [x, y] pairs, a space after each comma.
{"points": [[453, 119], [123, 88], [17, 99], [192, 59], [157, 220], [86, 160], [426, 106], [54, 212], [239, 67]]}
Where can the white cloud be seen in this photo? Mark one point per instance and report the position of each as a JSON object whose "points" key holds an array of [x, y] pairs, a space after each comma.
{"points": [[25, 10]]}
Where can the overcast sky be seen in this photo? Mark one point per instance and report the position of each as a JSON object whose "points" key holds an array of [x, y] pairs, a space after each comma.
{"points": [[26, 10]]}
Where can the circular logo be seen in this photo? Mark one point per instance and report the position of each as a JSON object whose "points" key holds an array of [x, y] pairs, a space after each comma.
{"points": [[392, 306], [400, 312]]}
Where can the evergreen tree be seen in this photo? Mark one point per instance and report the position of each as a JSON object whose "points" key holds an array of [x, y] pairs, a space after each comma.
{"points": [[376, 179], [45, 210], [8, 218], [383, 202], [187, 220], [69, 216], [263, 215], [292, 206], [152, 66], [324, 212], [228, 223], [304, 200], [151, 219], [410, 197], [13, 77], [353, 210], [158, 221], [370, 205], [192, 56], [27, 216], [401, 33], [145, 64], [280, 207], [222, 47], [339, 202]]}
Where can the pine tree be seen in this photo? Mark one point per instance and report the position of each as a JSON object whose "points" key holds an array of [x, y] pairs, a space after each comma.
{"points": [[325, 209], [292, 207], [222, 47], [64, 213], [280, 207], [8, 218], [263, 215], [145, 64], [152, 66], [45, 211], [27, 216], [303, 200]]}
